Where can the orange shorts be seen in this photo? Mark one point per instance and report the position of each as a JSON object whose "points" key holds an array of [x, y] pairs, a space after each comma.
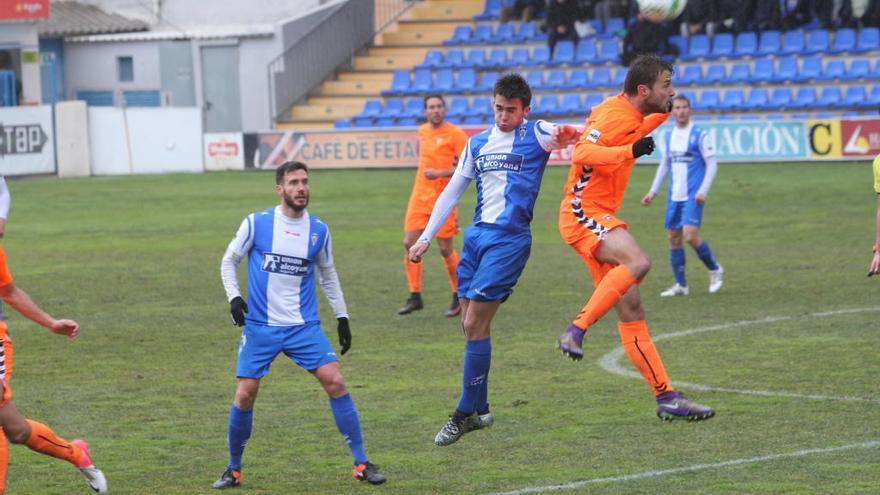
{"points": [[584, 234], [418, 213], [5, 364]]}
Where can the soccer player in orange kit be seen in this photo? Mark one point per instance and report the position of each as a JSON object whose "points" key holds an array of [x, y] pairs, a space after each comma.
{"points": [[440, 145], [615, 135], [18, 429]]}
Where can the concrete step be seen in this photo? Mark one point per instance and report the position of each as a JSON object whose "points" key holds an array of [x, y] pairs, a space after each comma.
{"points": [[414, 38], [353, 88], [305, 124], [357, 101], [325, 112], [365, 76], [461, 10], [387, 63]]}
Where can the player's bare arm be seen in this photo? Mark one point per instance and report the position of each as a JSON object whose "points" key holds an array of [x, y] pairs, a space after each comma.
{"points": [[648, 198], [22, 302], [564, 136]]}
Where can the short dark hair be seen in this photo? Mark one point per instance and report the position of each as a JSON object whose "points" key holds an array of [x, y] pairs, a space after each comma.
{"points": [[644, 70], [425, 101], [513, 86], [282, 170], [683, 98]]}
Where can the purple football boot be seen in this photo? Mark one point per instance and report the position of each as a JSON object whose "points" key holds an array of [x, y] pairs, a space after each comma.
{"points": [[572, 342], [674, 405]]}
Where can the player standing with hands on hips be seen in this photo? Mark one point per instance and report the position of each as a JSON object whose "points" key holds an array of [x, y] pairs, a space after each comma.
{"points": [[285, 245], [615, 135]]}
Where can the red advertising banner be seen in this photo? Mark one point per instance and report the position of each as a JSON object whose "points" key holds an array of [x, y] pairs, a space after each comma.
{"points": [[24, 9], [860, 138]]}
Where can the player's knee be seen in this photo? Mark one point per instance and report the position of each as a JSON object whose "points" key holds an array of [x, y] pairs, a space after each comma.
{"points": [[245, 398], [640, 265], [334, 385], [16, 434], [692, 238]]}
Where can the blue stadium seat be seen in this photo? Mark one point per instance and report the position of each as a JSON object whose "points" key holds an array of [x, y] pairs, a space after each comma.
{"points": [[476, 58], [874, 97], [482, 106], [776, 116], [540, 56], [399, 83], [415, 108], [709, 98], [548, 105], [792, 42], [362, 121], [433, 60], [762, 71], [535, 79], [372, 108], [393, 108], [690, 95], [844, 41], [758, 99], [693, 74], [454, 59], [679, 42], [384, 122], [722, 45], [504, 33], [594, 99], [746, 44], [780, 99], [422, 81], [482, 34], [407, 122], [609, 51], [474, 120], [491, 10], [453, 120], [461, 35], [578, 79], [698, 47], [817, 42], [520, 56], [805, 97], [342, 124], [770, 44], [458, 107], [601, 77], [614, 26], [734, 99], [586, 52], [466, 82], [859, 68], [564, 53], [786, 70], [725, 117], [715, 73], [855, 96], [444, 81], [619, 77], [850, 113], [811, 69], [830, 97], [868, 40], [740, 72], [529, 31], [487, 82], [571, 104], [497, 58], [875, 72], [555, 79], [834, 70]]}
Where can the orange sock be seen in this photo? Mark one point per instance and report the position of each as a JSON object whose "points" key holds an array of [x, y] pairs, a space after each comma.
{"points": [[609, 291], [643, 355], [45, 441], [413, 274], [451, 263], [4, 461]]}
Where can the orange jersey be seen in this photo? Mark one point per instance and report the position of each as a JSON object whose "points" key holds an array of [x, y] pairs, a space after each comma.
{"points": [[439, 149], [602, 161], [5, 276]]}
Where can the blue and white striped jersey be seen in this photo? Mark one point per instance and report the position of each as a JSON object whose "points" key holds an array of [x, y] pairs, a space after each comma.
{"points": [[690, 160], [508, 167], [282, 256]]}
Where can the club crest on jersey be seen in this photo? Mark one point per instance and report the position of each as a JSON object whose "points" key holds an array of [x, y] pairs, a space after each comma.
{"points": [[522, 132], [314, 239], [593, 136], [285, 265], [509, 162]]}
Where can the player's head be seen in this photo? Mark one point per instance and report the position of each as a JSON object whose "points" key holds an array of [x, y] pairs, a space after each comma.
{"points": [[511, 102], [435, 109], [648, 83], [681, 109], [292, 185]]}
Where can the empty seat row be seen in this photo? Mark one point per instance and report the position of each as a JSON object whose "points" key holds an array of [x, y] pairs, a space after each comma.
{"points": [[796, 42], [785, 69], [504, 33], [567, 53], [781, 99]]}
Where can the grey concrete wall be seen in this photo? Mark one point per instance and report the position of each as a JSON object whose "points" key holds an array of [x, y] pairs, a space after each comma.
{"points": [[92, 66], [254, 57]]}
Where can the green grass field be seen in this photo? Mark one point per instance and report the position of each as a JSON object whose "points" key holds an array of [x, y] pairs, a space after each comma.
{"points": [[149, 383]]}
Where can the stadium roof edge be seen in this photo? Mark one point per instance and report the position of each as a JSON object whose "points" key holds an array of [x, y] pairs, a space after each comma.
{"points": [[75, 18], [169, 33]]}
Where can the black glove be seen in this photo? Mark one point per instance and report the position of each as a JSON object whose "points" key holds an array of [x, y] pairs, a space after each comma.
{"points": [[644, 146], [344, 334], [237, 309]]}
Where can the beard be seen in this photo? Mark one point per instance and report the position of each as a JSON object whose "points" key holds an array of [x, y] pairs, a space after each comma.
{"points": [[290, 202]]}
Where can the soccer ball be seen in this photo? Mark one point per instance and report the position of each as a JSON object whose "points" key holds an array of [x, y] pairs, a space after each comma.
{"points": [[661, 10]]}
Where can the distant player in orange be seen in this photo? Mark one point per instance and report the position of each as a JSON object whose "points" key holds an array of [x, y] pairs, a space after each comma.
{"points": [[875, 259], [615, 135], [440, 145], [38, 437]]}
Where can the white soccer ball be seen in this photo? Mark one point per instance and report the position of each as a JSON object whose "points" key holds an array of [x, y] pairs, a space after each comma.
{"points": [[661, 10]]}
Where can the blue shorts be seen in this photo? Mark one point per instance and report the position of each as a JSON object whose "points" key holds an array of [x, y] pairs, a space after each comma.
{"points": [[680, 213], [305, 344], [491, 262]]}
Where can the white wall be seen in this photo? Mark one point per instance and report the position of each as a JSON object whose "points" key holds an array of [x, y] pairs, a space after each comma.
{"points": [[254, 56], [24, 34], [194, 12], [92, 66]]}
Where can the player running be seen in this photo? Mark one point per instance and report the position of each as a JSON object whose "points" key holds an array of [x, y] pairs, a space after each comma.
{"points": [[508, 164], [285, 245], [690, 161], [615, 135]]}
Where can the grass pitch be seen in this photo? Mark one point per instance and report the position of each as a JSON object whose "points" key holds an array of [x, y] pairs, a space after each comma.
{"points": [[136, 261]]}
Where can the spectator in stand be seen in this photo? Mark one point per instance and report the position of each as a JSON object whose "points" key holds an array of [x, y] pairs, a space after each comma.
{"points": [[606, 9], [734, 15], [525, 10], [871, 15], [644, 36], [561, 16], [700, 17]]}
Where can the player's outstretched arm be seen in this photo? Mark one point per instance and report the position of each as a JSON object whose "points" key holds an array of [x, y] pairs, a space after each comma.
{"points": [[20, 301], [564, 136], [446, 202], [875, 261]]}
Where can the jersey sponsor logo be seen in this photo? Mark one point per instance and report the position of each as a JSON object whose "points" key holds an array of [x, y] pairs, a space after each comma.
{"points": [[285, 265], [490, 162], [291, 233], [593, 136], [681, 157]]}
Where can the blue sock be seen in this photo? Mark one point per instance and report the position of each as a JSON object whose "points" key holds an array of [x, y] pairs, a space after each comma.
{"points": [[705, 254], [349, 425], [676, 259], [240, 424], [475, 377]]}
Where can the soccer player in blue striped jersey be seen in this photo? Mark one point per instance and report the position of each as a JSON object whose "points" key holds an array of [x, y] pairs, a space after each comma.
{"points": [[285, 245], [507, 161], [691, 164]]}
